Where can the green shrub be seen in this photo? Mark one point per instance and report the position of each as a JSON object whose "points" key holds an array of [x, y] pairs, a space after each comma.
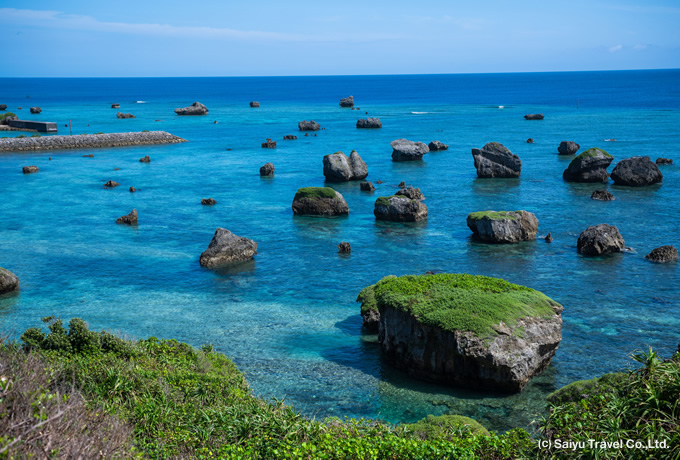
{"points": [[7, 115], [445, 426], [21, 136], [36, 135]]}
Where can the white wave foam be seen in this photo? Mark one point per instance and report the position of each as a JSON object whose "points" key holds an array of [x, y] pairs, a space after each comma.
{"points": [[419, 113]]}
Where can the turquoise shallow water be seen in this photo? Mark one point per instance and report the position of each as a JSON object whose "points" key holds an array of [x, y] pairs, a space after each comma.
{"points": [[289, 319]]}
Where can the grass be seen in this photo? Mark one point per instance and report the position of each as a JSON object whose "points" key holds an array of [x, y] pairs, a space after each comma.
{"points": [[386, 200], [336, 153], [494, 215], [433, 427], [459, 302], [315, 192], [590, 153]]}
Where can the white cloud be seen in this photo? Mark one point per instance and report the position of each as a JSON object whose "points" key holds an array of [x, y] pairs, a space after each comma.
{"points": [[616, 48], [640, 47]]}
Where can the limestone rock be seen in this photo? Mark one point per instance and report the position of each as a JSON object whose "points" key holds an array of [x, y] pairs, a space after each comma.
{"points": [[8, 281], [399, 209], [664, 161], [319, 201], [130, 219], [549, 238], [602, 195], [589, 166], [36, 110], [337, 167], [30, 169], [411, 193], [495, 160], [194, 109], [124, 115], [208, 201], [436, 146], [305, 125], [267, 169], [269, 144], [3, 107], [663, 254], [132, 190], [600, 239], [369, 123], [636, 172], [254, 104], [145, 159], [347, 101], [503, 226], [289, 137], [115, 106], [530, 140], [366, 187], [111, 184], [405, 150], [344, 247], [226, 248], [534, 116], [568, 148]]}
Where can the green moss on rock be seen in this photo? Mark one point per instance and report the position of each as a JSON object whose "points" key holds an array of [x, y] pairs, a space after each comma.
{"points": [[460, 302], [5, 115], [435, 427], [495, 215], [590, 153], [580, 389], [384, 200], [315, 192]]}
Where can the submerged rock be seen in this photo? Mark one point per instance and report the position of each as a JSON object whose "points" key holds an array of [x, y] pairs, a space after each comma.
{"points": [[267, 169], [319, 201], [568, 148], [208, 201], [405, 150], [602, 195], [347, 101], [337, 167], [366, 187], [30, 169], [372, 123], [503, 226], [589, 166], [600, 239], [305, 125], [8, 281], [495, 160], [534, 116], [663, 254], [124, 115], [549, 238], [636, 172], [344, 247], [226, 248], [426, 330], [436, 146], [130, 219], [664, 161], [194, 109], [399, 209]]}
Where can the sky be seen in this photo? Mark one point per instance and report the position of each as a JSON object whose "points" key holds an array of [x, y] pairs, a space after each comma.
{"points": [[74, 38]]}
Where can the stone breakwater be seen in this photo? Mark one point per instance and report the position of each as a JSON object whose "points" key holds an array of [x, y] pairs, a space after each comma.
{"points": [[88, 141]]}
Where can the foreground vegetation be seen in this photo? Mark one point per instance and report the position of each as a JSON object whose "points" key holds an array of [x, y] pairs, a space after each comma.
{"points": [[77, 393]]}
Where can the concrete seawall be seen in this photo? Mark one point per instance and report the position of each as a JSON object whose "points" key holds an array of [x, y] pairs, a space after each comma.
{"points": [[87, 141]]}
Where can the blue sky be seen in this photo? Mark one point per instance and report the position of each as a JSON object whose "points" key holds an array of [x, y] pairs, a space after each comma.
{"points": [[229, 38]]}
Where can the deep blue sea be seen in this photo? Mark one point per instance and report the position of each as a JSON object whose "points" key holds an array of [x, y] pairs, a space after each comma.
{"points": [[289, 319]]}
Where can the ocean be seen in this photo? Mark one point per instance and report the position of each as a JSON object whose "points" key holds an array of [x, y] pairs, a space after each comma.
{"points": [[289, 319]]}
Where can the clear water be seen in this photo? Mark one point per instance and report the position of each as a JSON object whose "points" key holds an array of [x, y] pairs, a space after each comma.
{"points": [[289, 319]]}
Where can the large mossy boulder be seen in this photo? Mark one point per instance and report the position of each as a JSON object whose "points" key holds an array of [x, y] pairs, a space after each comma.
{"points": [[337, 167], [226, 248], [600, 239], [400, 208], [495, 160], [465, 330], [8, 281], [319, 201], [503, 226], [636, 172], [589, 166]]}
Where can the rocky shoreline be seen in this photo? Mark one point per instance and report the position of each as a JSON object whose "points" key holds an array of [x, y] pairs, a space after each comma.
{"points": [[88, 141]]}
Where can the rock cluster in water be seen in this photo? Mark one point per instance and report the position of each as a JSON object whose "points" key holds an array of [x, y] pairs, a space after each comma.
{"points": [[194, 109], [494, 160], [88, 141], [337, 167], [503, 226], [226, 248]]}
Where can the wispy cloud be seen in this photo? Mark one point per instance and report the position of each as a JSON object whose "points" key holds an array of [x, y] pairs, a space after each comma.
{"points": [[615, 48], [640, 47]]}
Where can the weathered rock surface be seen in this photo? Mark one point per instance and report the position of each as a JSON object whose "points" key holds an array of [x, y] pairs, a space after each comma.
{"points": [[347, 101], [399, 209], [319, 201], [226, 248], [124, 115], [636, 172], [87, 141], [366, 187], [534, 116], [372, 123], [30, 169], [269, 144], [132, 189], [568, 148], [36, 110], [344, 247], [194, 109], [503, 226], [600, 239], [305, 125], [254, 104], [495, 160], [436, 146], [405, 150], [411, 193], [289, 137], [8, 281], [589, 166], [530, 140], [664, 161], [267, 169], [111, 184], [115, 106], [602, 195], [130, 219], [337, 167], [3, 107], [208, 201], [663, 254], [145, 159], [549, 238]]}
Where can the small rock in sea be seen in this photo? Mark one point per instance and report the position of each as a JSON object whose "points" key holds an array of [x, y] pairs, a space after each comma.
{"points": [[89, 155], [289, 137], [495, 160], [663, 254], [405, 150], [372, 123], [116, 169], [378, 181], [226, 248], [49, 158], [215, 122], [602, 195], [229, 150], [8, 281], [146, 159], [124, 115], [115, 106], [194, 109], [664, 161], [130, 219], [366, 113], [208, 201], [411, 193], [636, 172], [568, 148], [402, 184], [306, 134], [269, 144], [3, 107], [436, 146], [111, 184], [18, 108], [600, 239], [534, 116], [344, 247], [549, 238], [267, 169], [254, 104], [366, 187], [347, 101], [133, 190], [30, 169], [308, 126], [315, 135], [36, 110], [502, 227], [530, 140]]}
